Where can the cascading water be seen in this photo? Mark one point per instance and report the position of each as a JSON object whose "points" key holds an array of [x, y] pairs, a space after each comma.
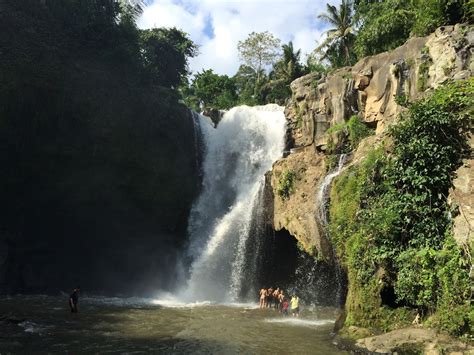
{"points": [[323, 200], [324, 189], [237, 154], [197, 141]]}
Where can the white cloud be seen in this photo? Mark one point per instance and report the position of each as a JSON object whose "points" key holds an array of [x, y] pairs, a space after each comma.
{"points": [[232, 21]]}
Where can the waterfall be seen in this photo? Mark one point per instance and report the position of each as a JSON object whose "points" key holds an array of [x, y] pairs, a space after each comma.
{"points": [[324, 190], [198, 143], [323, 199], [237, 154]]}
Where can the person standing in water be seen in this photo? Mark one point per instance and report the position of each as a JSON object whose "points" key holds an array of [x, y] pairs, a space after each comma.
{"points": [[281, 298], [275, 295], [74, 299], [263, 294], [269, 302], [284, 307], [295, 309]]}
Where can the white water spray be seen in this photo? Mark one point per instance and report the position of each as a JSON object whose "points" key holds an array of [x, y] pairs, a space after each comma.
{"points": [[237, 154], [324, 189]]}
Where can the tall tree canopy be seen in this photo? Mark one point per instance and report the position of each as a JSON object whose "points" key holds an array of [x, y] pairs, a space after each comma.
{"points": [[340, 37], [289, 67], [165, 52], [94, 144], [385, 25], [259, 50], [212, 90]]}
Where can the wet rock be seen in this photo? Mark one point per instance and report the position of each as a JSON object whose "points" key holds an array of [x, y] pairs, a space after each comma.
{"points": [[413, 340], [214, 114], [340, 320]]}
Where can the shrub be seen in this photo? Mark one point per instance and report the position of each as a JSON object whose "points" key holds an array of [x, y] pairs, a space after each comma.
{"points": [[286, 184], [357, 130], [390, 218]]}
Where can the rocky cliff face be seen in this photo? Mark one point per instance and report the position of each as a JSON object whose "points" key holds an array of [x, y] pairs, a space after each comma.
{"points": [[372, 89]]}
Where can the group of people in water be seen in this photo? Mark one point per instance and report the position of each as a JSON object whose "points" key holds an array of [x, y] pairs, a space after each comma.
{"points": [[276, 298]]}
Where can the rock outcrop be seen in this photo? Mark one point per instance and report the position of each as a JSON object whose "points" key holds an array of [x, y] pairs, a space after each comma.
{"points": [[413, 340], [372, 89]]}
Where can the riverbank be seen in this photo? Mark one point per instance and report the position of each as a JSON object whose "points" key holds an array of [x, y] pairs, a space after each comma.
{"points": [[409, 340]]}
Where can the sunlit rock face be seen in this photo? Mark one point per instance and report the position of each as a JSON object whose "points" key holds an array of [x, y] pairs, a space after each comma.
{"points": [[370, 89], [297, 213]]}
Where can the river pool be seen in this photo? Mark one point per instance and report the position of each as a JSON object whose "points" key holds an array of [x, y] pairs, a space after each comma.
{"points": [[43, 324]]}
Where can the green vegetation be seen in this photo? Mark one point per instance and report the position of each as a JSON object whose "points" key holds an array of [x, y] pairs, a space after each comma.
{"points": [[252, 84], [354, 130], [259, 50], [357, 131], [358, 29], [390, 224], [286, 184], [90, 122], [384, 25], [422, 80], [211, 90], [331, 161], [340, 38]]}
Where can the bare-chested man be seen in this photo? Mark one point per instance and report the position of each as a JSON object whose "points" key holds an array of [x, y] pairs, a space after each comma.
{"points": [[263, 295], [275, 297], [281, 298], [269, 297]]}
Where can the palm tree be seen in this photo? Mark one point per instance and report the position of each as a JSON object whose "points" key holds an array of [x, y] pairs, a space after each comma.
{"points": [[288, 67], [132, 9], [341, 36], [291, 59]]}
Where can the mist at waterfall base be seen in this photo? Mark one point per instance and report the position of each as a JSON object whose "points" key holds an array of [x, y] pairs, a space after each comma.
{"points": [[233, 250]]}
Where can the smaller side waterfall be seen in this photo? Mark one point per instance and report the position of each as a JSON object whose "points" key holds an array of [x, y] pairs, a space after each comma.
{"points": [[323, 200], [325, 189]]}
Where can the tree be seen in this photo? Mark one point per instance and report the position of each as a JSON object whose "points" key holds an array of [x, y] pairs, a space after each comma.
{"points": [[213, 90], [288, 67], [313, 64], [340, 38], [382, 26], [259, 50], [385, 25], [245, 81], [165, 53], [285, 70]]}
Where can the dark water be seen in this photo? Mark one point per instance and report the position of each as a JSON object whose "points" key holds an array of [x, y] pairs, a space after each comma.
{"points": [[130, 326]]}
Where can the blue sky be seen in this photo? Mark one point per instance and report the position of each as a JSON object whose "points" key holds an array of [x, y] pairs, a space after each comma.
{"points": [[217, 26]]}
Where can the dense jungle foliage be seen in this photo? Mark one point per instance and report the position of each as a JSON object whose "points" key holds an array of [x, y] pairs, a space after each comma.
{"points": [[391, 222], [90, 122]]}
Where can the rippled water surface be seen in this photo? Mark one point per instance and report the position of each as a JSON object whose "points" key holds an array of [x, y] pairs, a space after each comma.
{"points": [[39, 324]]}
